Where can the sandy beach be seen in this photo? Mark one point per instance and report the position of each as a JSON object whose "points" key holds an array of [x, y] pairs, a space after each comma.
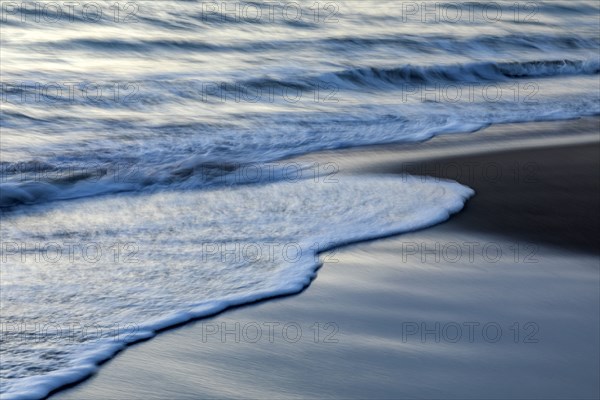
{"points": [[501, 301]]}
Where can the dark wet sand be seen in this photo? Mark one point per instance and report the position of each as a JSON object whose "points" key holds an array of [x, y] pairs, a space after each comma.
{"points": [[546, 195], [401, 310]]}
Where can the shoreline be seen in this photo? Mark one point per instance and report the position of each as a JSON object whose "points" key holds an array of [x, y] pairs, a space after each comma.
{"points": [[487, 162], [103, 384]]}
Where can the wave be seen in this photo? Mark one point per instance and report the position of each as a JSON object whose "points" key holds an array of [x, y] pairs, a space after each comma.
{"points": [[406, 44], [382, 77], [150, 295], [482, 43], [152, 91], [38, 182], [91, 173]]}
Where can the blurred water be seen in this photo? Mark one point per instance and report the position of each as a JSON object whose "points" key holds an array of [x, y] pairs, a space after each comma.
{"points": [[154, 86], [169, 101]]}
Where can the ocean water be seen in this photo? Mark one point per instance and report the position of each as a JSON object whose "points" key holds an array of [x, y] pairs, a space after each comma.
{"points": [[144, 144]]}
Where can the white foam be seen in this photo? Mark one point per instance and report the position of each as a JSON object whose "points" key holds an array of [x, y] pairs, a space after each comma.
{"points": [[177, 278]]}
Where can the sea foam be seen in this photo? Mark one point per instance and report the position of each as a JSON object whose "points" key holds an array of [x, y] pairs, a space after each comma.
{"points": [[181, 255]]}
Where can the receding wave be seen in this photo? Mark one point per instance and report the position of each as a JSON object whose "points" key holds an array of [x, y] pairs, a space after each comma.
{"points": [[145, 294]]}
